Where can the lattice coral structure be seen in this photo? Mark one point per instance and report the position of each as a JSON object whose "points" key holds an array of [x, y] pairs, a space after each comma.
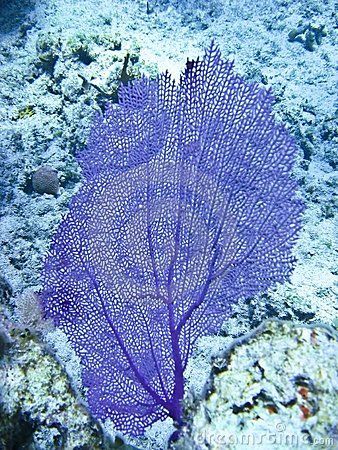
{"points": [[187, 206]]}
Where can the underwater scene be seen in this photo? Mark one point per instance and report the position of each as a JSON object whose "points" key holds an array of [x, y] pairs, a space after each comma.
{"points": [[168, 198]]}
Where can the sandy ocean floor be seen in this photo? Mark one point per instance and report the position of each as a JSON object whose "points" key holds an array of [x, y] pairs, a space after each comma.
{"points": [[60, 61]]}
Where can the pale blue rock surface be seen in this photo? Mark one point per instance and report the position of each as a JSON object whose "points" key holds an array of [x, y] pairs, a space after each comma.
{"points": [[61, 60]]}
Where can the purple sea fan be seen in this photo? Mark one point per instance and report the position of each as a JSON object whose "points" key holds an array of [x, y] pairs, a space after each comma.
{"points": [[187, 206]]}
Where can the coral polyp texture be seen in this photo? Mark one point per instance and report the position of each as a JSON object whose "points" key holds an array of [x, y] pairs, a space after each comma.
{"points": [[187, 206]]}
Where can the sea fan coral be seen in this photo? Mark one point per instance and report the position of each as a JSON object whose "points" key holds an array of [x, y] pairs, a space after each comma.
{"points": [[187, 206]]}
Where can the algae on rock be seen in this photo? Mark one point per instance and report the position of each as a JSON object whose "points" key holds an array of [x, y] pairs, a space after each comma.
{"points": [[277, 387], [37, 405]]}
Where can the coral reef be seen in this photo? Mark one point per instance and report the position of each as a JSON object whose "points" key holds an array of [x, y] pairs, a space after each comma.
{"points": [[277, 386], [60, 61], [38, 406], [308, 35]]}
